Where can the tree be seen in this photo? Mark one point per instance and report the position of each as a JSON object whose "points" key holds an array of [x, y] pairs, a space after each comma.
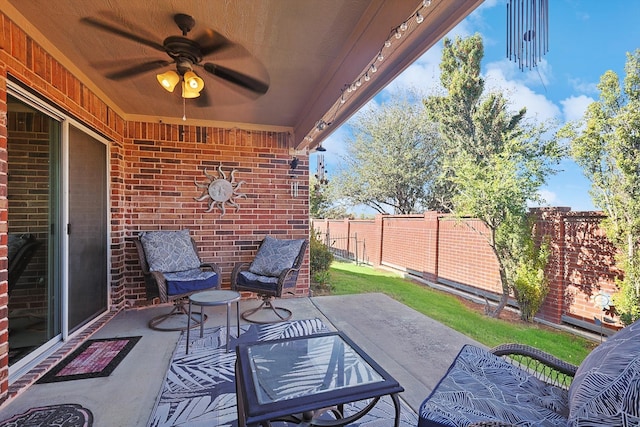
{"points": [[392, 159], [319, 202], [495, 161], [606, 144], [322, 203]]}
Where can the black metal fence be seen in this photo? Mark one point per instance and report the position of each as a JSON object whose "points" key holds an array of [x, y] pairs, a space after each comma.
{"points": [[347, 247]]}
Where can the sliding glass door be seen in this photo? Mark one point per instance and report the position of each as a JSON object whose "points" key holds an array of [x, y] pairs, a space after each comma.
{"points": [[33, 152], [87, 228], [57, 228]]}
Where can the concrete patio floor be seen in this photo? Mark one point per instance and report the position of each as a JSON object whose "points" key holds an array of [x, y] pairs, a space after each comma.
{"points": [[413, 348]]}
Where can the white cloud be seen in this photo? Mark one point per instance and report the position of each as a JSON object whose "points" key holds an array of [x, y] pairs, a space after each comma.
{"points": [[538, 105], [582, 86], [424, 74], [574, 107], [334, 143], [549, 198]]}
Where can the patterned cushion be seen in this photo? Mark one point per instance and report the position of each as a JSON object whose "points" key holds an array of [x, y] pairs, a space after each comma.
{"points": [[275, 256], [168, 251], [606, 388], [480, 386]]}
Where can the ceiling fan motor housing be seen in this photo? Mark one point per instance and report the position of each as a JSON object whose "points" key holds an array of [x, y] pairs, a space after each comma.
{"points": [[182, 50]]}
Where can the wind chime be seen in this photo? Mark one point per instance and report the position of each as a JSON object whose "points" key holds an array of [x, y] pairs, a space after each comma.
{"points": [[527, 31]]}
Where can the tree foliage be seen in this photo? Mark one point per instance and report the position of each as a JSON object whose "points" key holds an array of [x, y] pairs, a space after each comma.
{"points": [[322, 203], [392, 159], [606, 144], [495, 161]]}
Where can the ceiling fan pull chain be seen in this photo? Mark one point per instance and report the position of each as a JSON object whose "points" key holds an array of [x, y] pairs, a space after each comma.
{"points": [[184, 109]]}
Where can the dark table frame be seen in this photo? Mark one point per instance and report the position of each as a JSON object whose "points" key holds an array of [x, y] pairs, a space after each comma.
{"points": [[253, 414]]}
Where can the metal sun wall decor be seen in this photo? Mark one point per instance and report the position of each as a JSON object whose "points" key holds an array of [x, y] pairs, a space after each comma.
{"points": [[527, 31], [220, 191]]}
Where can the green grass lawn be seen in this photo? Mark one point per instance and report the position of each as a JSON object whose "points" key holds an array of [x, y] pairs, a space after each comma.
{"points": [[348, 278]]}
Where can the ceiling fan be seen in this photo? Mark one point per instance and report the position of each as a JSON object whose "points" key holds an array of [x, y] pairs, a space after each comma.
{"points": [[186, 54]]}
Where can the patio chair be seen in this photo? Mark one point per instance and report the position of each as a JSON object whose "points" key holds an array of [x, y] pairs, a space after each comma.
{"points": [[172, 271], [517, 385], [274, 269]]}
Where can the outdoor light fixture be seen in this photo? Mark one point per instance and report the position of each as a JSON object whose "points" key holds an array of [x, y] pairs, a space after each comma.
{"points": [[194, 82], [527, 31], [192, 85], [168, 80]]}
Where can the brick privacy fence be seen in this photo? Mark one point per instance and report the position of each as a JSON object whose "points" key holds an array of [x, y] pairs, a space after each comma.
{"points": [[440, 249]]}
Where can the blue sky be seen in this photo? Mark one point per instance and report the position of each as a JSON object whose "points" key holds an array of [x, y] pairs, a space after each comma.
{"points": [[586, 38]]}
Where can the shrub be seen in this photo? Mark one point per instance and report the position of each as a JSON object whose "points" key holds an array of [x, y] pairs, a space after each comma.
{"points": [[530, 285], [320, 258]]}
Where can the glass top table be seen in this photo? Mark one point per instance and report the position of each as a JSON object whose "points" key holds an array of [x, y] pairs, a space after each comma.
{"points": [[295, 379]]}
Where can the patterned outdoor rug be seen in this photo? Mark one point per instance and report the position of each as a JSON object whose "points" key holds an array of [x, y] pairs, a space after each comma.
{"points": [[93, 359], [69, 415], [199, 389]]}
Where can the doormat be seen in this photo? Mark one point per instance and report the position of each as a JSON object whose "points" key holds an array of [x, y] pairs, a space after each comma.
{"points": [[93, 359], [68, 415]]}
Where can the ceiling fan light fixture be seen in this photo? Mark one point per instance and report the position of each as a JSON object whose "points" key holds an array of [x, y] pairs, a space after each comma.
{"points": [[194, 82], [187, 92], [168, 80]]}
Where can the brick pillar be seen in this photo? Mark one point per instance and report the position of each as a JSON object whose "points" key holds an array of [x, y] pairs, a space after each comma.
{"points": [[551, 222], [432, 225], [376, 252], [347, 227]]}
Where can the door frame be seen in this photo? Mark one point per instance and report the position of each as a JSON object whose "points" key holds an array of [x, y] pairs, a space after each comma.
{"points": [[35, 101]]}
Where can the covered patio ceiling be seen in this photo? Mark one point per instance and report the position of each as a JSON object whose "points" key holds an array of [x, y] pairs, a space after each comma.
{"points": [[309, 53]]}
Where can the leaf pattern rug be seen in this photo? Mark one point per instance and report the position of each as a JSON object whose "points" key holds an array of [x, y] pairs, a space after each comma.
{"points": [[199, 388]]}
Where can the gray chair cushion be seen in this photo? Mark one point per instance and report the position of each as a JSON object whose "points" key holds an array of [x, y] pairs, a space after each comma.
{"points": [[606, 388], [480, 386], [168, 251], [275, 256]]}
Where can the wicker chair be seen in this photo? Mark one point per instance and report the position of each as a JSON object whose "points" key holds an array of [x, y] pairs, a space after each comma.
{"points": [[274, 269], [515, 384], [172, 271]]}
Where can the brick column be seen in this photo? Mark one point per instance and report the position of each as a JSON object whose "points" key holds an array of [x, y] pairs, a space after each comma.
{"points": [[376, 252], [551, 222], [432, 225]]}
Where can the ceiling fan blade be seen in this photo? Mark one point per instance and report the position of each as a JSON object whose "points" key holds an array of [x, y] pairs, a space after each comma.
{"points": [[203, 100], [138, 69], [122, 33], [212, 41], [237, 78]]}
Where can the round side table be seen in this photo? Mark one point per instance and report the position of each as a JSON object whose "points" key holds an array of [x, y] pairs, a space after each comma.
{"points": [[212, 298]]}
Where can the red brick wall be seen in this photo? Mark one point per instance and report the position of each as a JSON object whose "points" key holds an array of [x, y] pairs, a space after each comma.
{"points": [[402, 232], [588, 264], [441, 249], [29, 65], [464, 255], [162, 168], [364, 231], [152, 171]]}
